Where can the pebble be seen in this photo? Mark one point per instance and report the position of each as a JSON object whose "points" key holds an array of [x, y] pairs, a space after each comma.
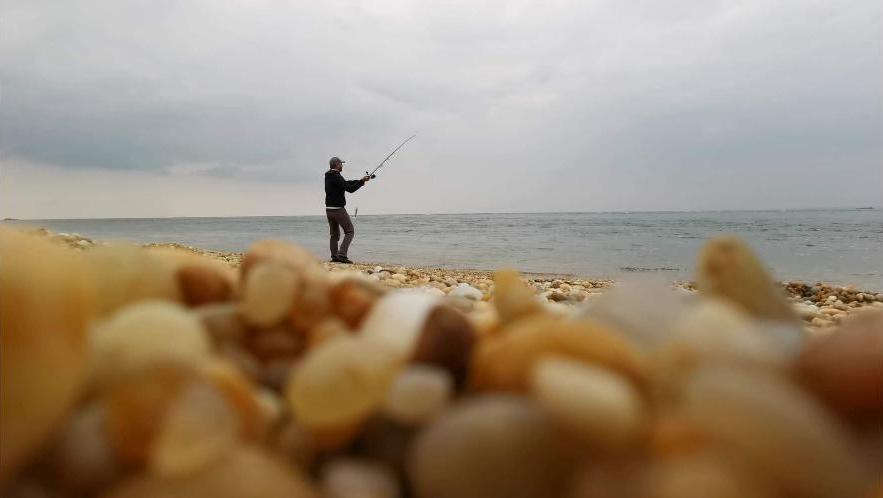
{"points": [[268, 294], [512, 298], [558, 296], [338, 385], [399, 277], [223, 323], [845, 368], [198, 429], [351, 301], [245, 472], [296, 259], [358, 478], [418, 394], [447, 342], [766, 421], [296, 444], [491, 446], [467, 291], [434, 291], [398, 319], [713, 331], [201, 285], [807, 311], [126, 273], [596, 404], [84, 460], [312, 302], [639, 392], [44, 314], [504, 363], [729, 269], [141, 336], [269, 344]]}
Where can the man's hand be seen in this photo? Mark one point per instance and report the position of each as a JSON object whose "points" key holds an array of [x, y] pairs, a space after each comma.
{"points": [[366, 178]]}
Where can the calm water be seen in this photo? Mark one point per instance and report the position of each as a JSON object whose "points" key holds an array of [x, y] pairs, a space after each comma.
{"points": [[839, 246]]}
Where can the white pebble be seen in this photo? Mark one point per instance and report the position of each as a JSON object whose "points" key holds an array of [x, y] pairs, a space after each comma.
{"points": [[596, 404], [418, 394], [467, 291], [142, 335]]}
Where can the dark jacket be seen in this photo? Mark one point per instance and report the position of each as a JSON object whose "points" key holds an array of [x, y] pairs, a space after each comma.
{"points": [[335, 186]]}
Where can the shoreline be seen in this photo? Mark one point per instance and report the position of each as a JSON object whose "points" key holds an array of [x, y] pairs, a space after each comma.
{"points": [[821, 306]]}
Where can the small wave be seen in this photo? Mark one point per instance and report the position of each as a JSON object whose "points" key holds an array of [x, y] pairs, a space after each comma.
{"points": [[643, 269]]}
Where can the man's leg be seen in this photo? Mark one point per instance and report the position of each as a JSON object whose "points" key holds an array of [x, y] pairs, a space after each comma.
{"points": [[334, 227], [343, 218]]}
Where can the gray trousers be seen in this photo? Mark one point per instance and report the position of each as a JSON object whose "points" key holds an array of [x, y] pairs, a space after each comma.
{"points": [[338, 218]]}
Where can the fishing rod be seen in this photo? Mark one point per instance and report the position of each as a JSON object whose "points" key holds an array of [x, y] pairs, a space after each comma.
{"points": [[371, 174]]}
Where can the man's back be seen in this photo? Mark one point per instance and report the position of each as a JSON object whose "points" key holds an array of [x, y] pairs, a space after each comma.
{"points": [[336, 187]]}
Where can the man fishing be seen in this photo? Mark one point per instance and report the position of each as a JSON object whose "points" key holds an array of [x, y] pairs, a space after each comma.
{"points": [[335, 203], [335, 208]]}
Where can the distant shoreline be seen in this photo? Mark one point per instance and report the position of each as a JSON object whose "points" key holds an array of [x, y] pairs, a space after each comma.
{"points": [[457, 213]]}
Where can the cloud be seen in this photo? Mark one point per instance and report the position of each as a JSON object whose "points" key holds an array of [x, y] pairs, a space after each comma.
{"points": [[522, 105]]}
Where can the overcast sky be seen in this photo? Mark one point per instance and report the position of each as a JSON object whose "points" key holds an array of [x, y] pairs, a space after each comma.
{"points": [[223, 108]]}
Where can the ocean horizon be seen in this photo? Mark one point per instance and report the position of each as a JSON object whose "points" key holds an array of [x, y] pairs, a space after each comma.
{"points": [[840, 246]]}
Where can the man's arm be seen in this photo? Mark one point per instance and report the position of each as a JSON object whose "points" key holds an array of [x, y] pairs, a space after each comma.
{"points": [[353, 185]]}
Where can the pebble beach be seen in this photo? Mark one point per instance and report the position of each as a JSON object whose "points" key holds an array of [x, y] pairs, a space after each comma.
{"points": [[170, 371], [818, 304]]}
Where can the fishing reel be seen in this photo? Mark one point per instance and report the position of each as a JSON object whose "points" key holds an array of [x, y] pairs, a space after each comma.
{"points": [[369, 175]]}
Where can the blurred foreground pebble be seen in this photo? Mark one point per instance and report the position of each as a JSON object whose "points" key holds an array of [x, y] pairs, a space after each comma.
{"points": [[155, 372]]}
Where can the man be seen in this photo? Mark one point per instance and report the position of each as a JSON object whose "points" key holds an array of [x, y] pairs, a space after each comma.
{"points": [[335, 208]]}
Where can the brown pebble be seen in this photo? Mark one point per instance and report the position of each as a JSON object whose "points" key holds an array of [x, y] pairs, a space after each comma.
{"points": [[447, 342], [222, 322], [273, 343], [200, 285], [294, 443], [312, 302], [351, 301], [386, 441], [84, 460], [845, 368], [491, 446], [275, 373]]}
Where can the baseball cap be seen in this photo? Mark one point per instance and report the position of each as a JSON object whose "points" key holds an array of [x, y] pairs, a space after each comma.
{"points": [[334, 160]]}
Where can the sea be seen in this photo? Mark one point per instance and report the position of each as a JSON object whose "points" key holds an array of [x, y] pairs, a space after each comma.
{"points": [[840, 246]]}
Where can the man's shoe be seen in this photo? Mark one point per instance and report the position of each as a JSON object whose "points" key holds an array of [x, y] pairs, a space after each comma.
{"points": [[344, 259], [336, 259]]}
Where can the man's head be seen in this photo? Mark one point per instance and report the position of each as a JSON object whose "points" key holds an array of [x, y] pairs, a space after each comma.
{"points": [[336, 163]]}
